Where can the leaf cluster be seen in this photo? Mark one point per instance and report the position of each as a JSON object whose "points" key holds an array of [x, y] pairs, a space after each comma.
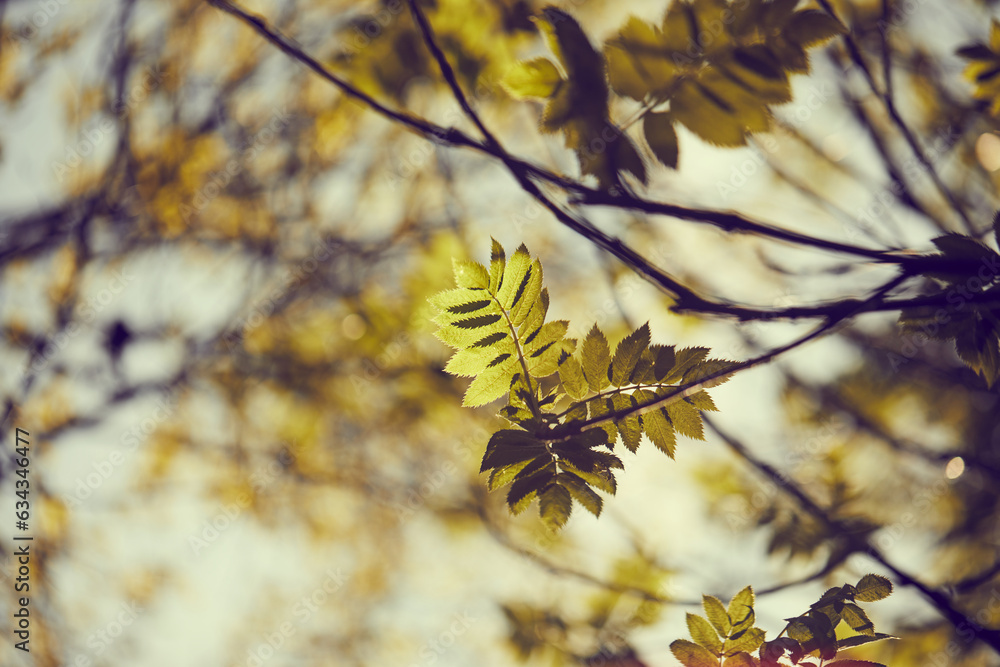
{"points": [[565, 406], [577, 100], [964, 267], [714, 66], [983, 70], [726, 635]]}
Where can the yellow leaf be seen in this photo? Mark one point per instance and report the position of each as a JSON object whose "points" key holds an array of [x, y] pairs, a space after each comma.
{"points": [[811, 27], [661, 137], [705, 114], [533, 78], [639, 61]]}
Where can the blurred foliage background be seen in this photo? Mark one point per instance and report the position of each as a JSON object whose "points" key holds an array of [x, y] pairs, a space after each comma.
{"points": [[214, 269]]}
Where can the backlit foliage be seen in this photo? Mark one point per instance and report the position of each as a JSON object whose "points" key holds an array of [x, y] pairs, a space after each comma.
{"points": [[965, 269], [213, 253], [727, 636], [714, 66], [495, 319]]}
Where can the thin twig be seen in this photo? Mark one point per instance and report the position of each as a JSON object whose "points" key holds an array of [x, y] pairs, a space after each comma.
{"points": [[904, 129], [938, 599], [693, 387]]}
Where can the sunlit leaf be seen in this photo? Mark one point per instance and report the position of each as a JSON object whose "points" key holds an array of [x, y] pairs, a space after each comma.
{"points": [[872, 587], [596, 359], [538, 77], [555, 506], [811, 27], [692, 655], [704, 634], [717, 615]]}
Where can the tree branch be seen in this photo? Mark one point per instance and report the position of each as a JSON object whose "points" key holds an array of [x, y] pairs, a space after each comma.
{"points": [[938, 599]]}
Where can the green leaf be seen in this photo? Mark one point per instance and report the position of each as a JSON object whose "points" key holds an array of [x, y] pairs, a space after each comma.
{"points": [[599, 408], [527, 299], [515, 278], [811, 27], [498, 259], [704, 634], [749, 640], [521, 503], [629, 427], [658, 128], [596, 359], [707, 115], [742, 623], [504, 475], [709, 368], [660, 431], [458, 304], [752, 69], [855, 663], [639, 61], [545, 360], [545, 337], [717, 615], [470, 274], [978, 346], [602, 480], [627, 355], [664, 360], [555, 506], [741, 659], [692, 655], [859, 640], [686, 419], [538, 77], [581, 492], [508, 446], [572, 379], [533, 483], [702, 401], [873, 587], [492, 383], [472, 361], [741, 606], [855, 617], [684, 360]]}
